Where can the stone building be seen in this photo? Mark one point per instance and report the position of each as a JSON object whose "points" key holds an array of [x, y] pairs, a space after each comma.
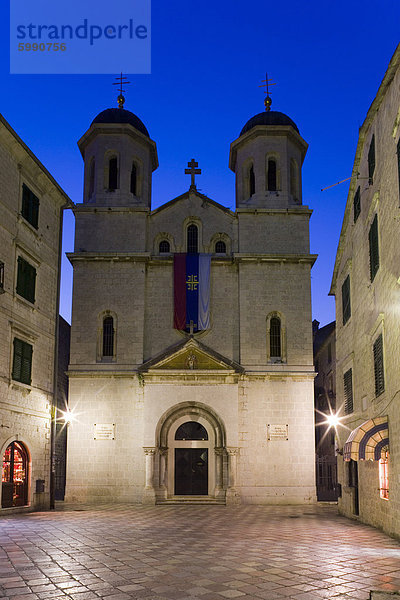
{"points": [[325, 406], [366, 285], [191, 370], [31, 207]]}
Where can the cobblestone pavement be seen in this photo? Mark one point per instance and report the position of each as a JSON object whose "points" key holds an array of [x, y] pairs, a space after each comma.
{"points": [[193, 552]]}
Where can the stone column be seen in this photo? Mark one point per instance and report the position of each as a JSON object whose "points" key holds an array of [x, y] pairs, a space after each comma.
{"points": [[232, 495], [219, 487], [163, 484], [149, 496]]}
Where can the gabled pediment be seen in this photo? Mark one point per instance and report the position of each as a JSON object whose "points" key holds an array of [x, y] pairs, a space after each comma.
{"points": [[190, 357]]}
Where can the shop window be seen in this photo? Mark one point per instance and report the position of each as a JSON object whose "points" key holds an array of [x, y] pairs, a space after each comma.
{"points": [[30, 206], [26, 280], [22, 362], [15, 476], [192, 239], [384, 476]]}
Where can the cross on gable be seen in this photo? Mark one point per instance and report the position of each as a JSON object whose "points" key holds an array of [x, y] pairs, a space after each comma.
{"points": [[193, 170]]}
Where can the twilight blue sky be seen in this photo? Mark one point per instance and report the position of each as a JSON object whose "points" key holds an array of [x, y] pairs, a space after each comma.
{"points": [[327, 57]]}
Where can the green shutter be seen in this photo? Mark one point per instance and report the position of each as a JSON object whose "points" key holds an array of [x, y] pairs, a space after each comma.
{"points": [[22, 361], [378, 366], [346, 306], [371, 160], [26, 280], [373, 248], [357, 204], [348, 391], [30, 206]]}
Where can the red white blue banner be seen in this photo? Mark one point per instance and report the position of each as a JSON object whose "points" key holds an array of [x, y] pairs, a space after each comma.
{"points": [[192, 291]]}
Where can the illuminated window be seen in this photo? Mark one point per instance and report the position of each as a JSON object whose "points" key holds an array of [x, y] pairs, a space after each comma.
{"points": [[113, 174], [220, 247], [30, 206], [192, 239], [384, 476], [108, 336], [14, 476], [164, 247]]}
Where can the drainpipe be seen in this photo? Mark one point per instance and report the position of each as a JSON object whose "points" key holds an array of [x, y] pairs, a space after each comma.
{"points": [[55, 375]]}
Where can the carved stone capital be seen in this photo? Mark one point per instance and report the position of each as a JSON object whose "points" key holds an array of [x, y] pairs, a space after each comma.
{"points": [[232, 451], [149, 451]]}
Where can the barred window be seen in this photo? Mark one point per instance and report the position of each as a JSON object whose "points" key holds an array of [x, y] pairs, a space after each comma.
{"points": [[275, 338], [252, 181], [371, 160], [113, 173], [26, 280], [220, 247], [346, 307], [30, 206], [22, 361], [271, 180], [357, 204], [373, 248], [384, 477], [164, 247], [348, 391], [134, 180], [192, 239], [108, 336], [378, 366]]}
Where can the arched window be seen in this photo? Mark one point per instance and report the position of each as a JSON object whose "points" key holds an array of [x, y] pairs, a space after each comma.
{"points": [[271, 175], [108, 336], [15, 476], [164, 247], [91, 177], [192, 239], [191, 430], [134, 180], [220, 247], [275, 345], [252, 181], [113, 173], [293, 179]]}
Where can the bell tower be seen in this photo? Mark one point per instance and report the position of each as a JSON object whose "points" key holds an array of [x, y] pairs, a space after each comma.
{"points": [[119, 159], [267, 159]]}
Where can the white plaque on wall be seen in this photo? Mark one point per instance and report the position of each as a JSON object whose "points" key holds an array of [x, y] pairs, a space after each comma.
{"points": [[277, 432], [104, 431]]}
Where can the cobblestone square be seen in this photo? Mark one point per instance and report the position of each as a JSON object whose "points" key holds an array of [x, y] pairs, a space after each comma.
{"points": [[187, 552]]}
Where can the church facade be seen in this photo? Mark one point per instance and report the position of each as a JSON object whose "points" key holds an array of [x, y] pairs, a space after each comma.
{"points": [[191, 369]]}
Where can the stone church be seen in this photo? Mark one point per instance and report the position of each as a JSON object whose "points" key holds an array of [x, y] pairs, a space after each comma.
{"points": [[191, 369]]}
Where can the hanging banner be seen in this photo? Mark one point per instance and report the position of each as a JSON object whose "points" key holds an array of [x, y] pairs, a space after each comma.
{"points": [[192, 291]]}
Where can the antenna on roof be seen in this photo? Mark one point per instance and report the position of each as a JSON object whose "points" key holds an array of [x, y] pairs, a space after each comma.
{"points": [[121, 80], [266, 83]]}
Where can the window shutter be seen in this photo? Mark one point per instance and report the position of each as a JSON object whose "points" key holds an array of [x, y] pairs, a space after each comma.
{"points": [[26, 280], [17, 360], [378, 366], [22, 361], [357, 204], [346, 307], [348, 391], [30, 206], [373, 248], [371, 160]]}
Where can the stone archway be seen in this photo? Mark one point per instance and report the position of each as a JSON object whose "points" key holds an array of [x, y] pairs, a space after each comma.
{"points": [[211, 450]]}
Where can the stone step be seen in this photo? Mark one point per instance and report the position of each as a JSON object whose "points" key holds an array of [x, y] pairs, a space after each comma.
{"points": [[192, 500]]}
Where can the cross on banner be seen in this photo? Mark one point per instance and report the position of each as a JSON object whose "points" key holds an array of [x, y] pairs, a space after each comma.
{"points": [[193, 171]]}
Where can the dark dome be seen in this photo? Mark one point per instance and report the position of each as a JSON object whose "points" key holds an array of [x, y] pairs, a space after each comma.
{"points": [[272, 117], [120, 115]]}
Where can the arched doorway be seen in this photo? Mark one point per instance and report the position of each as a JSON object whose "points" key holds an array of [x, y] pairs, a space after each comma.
{"points": [[15, 476], [192, 454]]}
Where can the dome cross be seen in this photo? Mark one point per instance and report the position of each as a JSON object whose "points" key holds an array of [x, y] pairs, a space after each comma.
{"points": [[121, 81]]}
